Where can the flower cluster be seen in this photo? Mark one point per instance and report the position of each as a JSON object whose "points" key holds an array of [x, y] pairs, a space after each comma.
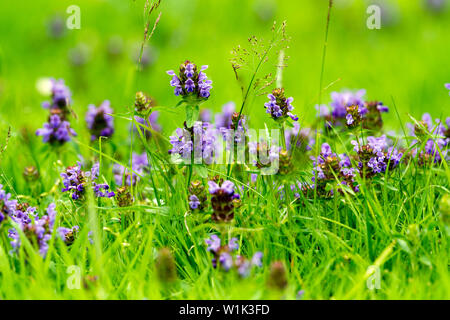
{"points": [[60, 94], [99, 120], [7, 205], [57, 130], [355, 115], [197, 195], [225, 256], [224, 200], [264, 156], [202, 139], [122, 176], [434, 137], [350, 109], [330, 168], [75, 181], [231, 125], [190, 82], [372, 119], [300, 138], [151, 122], [279, 107], [38, 230], [376, 156]]}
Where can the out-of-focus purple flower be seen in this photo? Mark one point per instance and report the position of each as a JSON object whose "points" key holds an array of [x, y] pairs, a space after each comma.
{"points": [[223, 120], [226, 261], [68, 235], [139, 164], [233, 244], [194, 202], [56, 27], [203, 140], [439, 140], [75, 181], [213, 243], [344, 99], [56, 131], [37, 230], [226, 257], [99, 120], [447, 85], [205, 115], [7, 206], [257, 259], [323, 110], [60, 95], [152, 123], [191, 82], [302, 139], [435, 5]]}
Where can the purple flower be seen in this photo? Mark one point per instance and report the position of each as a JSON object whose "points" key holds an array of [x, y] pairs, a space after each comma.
{"points": [[226, 261], [213, 243], [99, 120], [223, 120], [152, 123], [205, 115], [60, 94], [37, 230], [233, 245], [139, 164], [280, 107], [205, 145], [7, 206], [447, 85], [257, 259], [194, 202], [340, 101], [223, 200], [75, 181], [190, 81], [56, 131], [244, 267]]}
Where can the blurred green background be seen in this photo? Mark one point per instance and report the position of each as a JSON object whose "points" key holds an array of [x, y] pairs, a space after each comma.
{"points": [[408, 58]]}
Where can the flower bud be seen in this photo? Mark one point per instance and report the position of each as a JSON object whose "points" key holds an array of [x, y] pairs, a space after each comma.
{"points": [[124, 197], [31, 173], [444, 208], [142, 103], [165, 266], [277, 277]]}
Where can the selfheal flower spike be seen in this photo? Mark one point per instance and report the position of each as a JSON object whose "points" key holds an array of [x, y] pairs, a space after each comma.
{"points": [[56, 131], [99, 120], [279, 107], [223, 200], [191, 83]]}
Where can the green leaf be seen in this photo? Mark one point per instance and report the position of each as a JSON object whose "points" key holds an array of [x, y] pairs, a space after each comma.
{"points": [[404, 245], [192, 113], [289, 124], [201, 171], [180, 103]]}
